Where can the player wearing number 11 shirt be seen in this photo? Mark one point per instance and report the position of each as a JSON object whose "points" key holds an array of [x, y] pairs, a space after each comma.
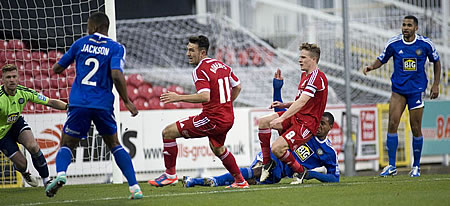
{"points": [[217, 88], [99, 65]]}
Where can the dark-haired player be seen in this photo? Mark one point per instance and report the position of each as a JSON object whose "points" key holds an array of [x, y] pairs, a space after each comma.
{"points": [[99, 65], [217, 87], [409, 82]]}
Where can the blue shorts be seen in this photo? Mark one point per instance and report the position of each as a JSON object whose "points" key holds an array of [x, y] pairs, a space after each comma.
{"points": [[79, 121], [280, 171], [414, 100], [8, 144]]}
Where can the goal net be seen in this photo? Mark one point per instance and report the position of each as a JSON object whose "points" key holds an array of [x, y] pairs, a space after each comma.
{"points": [[156, 50], [34, 35]]}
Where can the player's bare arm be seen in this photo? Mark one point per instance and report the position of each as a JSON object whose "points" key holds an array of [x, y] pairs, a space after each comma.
{"points": [[235, 91], [171, 97], [278, 104], [377, 64], [294, 108], [119, 82], [434, 92], [58, 68], [57, 104]]}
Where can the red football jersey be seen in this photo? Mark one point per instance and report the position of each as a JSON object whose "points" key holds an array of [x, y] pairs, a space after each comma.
{"points": [[217, 78], [314, 85]]}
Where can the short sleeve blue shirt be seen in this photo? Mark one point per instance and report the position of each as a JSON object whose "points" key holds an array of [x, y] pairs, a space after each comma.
{"points": [[95, 56], [409, 62]]}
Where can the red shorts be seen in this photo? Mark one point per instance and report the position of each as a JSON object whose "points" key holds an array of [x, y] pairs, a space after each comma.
{"points": [[201, 126], [295, 132]]}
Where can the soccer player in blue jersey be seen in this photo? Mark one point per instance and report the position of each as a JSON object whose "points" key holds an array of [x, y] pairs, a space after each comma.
{"points": [[409, 82], [316, 155], [14, 129], [99, 65]]}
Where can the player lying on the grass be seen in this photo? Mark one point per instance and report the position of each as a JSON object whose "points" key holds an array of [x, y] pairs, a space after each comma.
{"points": [[14, 129], [316, 155]]}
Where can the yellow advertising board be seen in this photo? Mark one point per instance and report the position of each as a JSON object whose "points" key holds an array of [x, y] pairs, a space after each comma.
{"points": [[404, 137]]}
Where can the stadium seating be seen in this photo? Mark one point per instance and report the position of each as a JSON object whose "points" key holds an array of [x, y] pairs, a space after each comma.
{"points": [[35, 71]]}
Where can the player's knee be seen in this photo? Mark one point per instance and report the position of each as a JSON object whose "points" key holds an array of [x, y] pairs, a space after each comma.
{"points": [[277, 150], [33, 148], [263, 123], [218, 150], [168, 133]]}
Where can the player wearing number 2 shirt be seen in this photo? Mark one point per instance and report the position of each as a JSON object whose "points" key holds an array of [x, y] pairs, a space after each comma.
{"points": [[99, 65], [217, 88]]}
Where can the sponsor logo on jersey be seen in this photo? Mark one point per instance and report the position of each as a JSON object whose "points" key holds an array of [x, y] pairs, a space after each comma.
{"points": [[409, 64], [21, 101], [12, 118], [400, 52], [42, 97], [304, 152], [419, 52]]}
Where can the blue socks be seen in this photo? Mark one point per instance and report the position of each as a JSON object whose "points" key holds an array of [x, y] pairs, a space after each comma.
{"points": [[123, 160], [63, 159], [228, 179], [417, 150], [392, 144], [40, 164]]}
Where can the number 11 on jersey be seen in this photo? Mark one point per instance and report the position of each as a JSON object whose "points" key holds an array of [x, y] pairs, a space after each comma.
{"points": [[223, 90]]}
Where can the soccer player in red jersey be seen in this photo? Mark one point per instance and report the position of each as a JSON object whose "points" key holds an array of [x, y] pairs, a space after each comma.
{"points": [[217, 88], [300, 122]]}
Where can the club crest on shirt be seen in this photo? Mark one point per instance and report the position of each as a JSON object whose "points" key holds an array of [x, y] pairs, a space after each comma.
{"points": [[419, 52], [304, 152], [21, 101], [409, 64], [319, 151]]}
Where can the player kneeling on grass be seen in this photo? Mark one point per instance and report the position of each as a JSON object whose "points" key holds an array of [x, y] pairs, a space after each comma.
{"points": [[317, 155], [14, 129]]}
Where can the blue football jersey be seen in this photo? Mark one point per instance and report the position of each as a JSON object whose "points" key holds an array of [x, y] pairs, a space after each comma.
{"points": [[95, 56], [317, 153], [409, 62]]}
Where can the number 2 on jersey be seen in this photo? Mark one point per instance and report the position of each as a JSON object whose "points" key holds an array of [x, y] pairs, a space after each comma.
{"points": [[91, 73], [223, 90]]}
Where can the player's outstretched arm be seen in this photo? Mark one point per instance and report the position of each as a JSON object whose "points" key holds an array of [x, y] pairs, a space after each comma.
{"points": [[58, 68], [120, 83], [235, 91], [57, 104], [434, 93], [171, 97], [376, 64], [322, 177]]}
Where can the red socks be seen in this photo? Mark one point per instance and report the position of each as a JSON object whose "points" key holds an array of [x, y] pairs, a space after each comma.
{"points": [[230, 164], [290, 160], [170, 153], [264, 139]]}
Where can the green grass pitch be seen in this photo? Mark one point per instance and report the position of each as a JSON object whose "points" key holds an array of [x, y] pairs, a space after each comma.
{"points": [[362, 190]]}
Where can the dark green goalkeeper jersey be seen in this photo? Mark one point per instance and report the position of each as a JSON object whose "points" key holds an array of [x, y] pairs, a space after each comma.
{"points": [[12, 106]]}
